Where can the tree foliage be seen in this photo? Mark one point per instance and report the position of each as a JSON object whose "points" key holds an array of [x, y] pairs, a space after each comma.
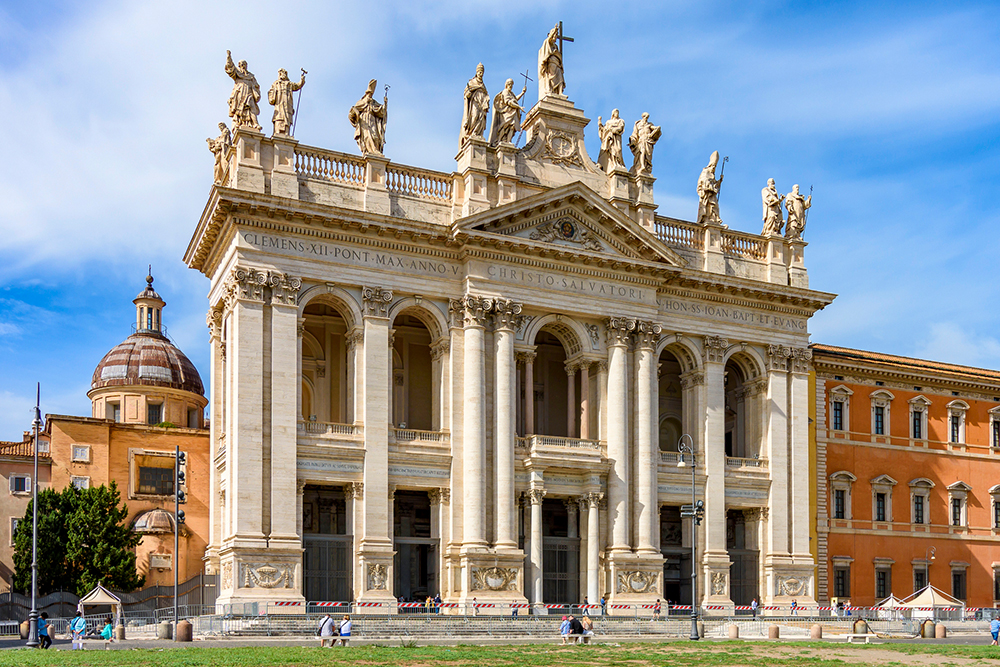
{"points": [[84, 539]]}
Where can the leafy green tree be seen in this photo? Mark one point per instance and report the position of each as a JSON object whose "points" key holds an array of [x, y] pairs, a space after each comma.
{"points": [[84, 539]]}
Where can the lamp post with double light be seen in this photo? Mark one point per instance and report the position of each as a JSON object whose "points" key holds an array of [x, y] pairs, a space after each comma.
{"points": [[929, 553], [696, 510]]}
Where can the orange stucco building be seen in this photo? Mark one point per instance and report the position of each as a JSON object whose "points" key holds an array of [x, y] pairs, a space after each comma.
{"points": [[908, 477]]}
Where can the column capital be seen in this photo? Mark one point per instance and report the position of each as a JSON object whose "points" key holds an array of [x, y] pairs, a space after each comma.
{"points": [[354, 338], [715, 348], [692, 379], [618, 330], [572, 505], [470, 311], [594, 499], [376, 301], [284, 288], [506, 314], [440, 347], [213, 320], [778, 358], [535, 496], [647, 334], [245, 284], [800, 360], [300, 326], [355, 490], [525, 356], [439, 496], [300, 486]]}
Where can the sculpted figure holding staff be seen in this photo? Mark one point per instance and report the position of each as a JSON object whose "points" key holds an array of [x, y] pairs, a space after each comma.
{"points": [[477, 105], [280, 96], [368, 118], [550, 64], [708, 192], [611, 142], [243, 100], [506, 114]]}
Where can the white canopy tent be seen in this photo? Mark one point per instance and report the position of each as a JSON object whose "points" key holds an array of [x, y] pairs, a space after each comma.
{"points": [[890, 609], [930, 602], [100, 597]]}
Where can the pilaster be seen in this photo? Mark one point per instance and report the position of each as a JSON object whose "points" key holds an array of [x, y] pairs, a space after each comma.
{"points": [[505, 316], [248, 173], [716, 563], [475, 175], [284, 180], [376, 192], [797, 274]]}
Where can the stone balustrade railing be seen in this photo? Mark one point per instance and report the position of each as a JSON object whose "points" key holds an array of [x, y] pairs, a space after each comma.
{"points": [[670, 457], [418, 182], [330, 428], [680, 234], [534, 441], [737, 462], [330, 166], [743, 245], [415, 435]]}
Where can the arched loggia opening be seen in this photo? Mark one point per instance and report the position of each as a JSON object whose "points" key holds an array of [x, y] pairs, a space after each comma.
{"points": [[555, 386], [671, 402], [326, 395], [414, 405]]}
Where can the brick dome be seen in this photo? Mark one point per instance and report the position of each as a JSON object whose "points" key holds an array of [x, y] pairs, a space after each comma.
{"points": [[147, 358]]}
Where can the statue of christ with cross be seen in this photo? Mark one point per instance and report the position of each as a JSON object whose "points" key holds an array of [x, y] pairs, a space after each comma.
{"points": [[550, 63]]}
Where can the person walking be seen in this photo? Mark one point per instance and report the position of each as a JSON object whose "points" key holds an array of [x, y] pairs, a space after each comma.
{"points": [[437, 603], [604, 606], [795, 608], [345, 631], [753, 607], [325, 631], [564, 629], [78, 627], [995, 629], [656, 610], [44, 640]]}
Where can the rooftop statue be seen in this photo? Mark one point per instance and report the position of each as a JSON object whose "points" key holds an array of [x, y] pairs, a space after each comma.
{"points": [[477, 104], [280, 96], [643, 139], [550, 63], [797, 205], [243, 100], [368, 118], [220, 149], [773, 219], [708, 192], [610, 134], [506, 114]]}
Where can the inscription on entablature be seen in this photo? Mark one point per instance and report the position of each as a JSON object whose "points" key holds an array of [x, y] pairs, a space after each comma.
{"points": [[532, 278], [731, 314]]}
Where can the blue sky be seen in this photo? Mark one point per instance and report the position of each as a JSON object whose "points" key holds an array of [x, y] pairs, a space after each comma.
{"points": [[890, 110]]}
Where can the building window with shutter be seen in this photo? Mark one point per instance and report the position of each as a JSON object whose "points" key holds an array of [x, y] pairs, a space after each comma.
{"points": [[958, 584], [880, 507], [838, 415], [918, 509], [879, 420], [883, 585], [842, 582], [20, 484], [839, 504]]}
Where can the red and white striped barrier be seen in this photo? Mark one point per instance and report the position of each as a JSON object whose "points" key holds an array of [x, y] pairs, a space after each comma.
{"points": [[287, 604], [370, 604], [329, 604]]}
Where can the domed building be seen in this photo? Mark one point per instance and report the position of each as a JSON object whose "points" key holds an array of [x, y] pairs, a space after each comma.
{"points": [[146, 379]]}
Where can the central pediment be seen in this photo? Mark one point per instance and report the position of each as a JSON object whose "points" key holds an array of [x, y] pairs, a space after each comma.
{"points": [[574, 219]]}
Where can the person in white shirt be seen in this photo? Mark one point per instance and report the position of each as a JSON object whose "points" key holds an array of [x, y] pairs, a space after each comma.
{"points": [[326, 625], [345, 631]]}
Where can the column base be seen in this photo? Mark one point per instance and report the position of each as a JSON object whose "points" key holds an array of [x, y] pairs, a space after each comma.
{"points": [[377, 572], [250, 578], [635, 579], [492, 579], [715, 573], [789, 579]]}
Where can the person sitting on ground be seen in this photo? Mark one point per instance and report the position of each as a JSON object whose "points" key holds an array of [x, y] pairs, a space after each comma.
{"points": [[345, 631], [44, 639], [564, 629], [108, 633], [325, 630], [575, 627], [588, 630]]}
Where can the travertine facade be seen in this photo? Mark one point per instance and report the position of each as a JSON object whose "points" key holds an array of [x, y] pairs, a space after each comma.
{"points": [[474, 383]]}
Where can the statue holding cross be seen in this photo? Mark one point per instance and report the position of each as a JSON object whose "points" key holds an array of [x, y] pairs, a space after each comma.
{"points": [[550, 63]]}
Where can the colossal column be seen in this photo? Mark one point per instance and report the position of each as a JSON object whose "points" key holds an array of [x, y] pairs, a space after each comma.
{"points": [[529, 393], [585, 400], [716, 562], [571, 404], [505, 314], [593, 546], [646, 405], [618, 331], [217, 430], [536, 496]]}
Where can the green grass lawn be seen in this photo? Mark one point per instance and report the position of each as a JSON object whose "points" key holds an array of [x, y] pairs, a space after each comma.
{"points": [[755, 654]]}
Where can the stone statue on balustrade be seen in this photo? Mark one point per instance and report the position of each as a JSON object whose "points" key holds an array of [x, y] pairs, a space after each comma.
{"points": [[708, 192], [506, 114], [550, 65], [280, 96], [220, 149], [477, 105], [243, 100], [773, 217], [641, 143], [368, 118], [796, 205], [610, 134]]}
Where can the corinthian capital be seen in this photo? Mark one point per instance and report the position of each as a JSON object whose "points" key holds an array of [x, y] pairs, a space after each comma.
{"points": [[777, 357], [214, 322], [471, 310], [800, 359], [284, 288], [536, 496], [715, 348], [506, 314], [647, 334], [618, 330], [376, 301], [245, 285]]}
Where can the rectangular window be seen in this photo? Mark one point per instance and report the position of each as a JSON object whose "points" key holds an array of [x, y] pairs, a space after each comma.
{"points": [[883, 585], [81, 453], [156, 481], [154, 413], [958, 584], [841, 582], [956, 511], [996, 432], [879, 420], [918, 422], [839, 504], [80, 482], [838, 415], [918, 509], [996, 514], [880, 507], [996, 585], [955, 422], [20, 484], [919, 579]]}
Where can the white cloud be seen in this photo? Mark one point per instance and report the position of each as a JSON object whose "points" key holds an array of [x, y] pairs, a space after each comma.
{"points": [[953, 343]]}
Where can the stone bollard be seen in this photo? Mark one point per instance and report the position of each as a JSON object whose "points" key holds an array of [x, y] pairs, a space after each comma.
{"points": [[165, 630], [120, 633], [701, 629], [927, 629], [772, 632], [734, 631], [184, 631], [25, 629], [940, 632], [861, 627], [816, 631]]}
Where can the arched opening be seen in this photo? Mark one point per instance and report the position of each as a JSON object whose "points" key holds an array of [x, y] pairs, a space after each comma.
{"points": [[743, 408], [326, 393], [671, 402], [554, 392], [413, 404]]}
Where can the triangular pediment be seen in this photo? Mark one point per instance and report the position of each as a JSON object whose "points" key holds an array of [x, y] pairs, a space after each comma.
{"points": [[572, 218]]}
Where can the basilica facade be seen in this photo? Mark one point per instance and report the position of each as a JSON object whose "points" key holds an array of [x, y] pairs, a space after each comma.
{"points": [[477, 383]]}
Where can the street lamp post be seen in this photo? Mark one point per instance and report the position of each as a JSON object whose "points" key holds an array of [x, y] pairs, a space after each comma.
{"points": [[179, 459], [33, 616], [695, 510], [928, 557]]}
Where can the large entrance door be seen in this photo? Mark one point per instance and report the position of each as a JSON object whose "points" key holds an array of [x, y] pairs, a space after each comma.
{"points": [[560, 554], [326, 565], [743, 571], [676, 557], [416, 551]]}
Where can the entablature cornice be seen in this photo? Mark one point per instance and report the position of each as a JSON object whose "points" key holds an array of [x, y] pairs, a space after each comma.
{"points": [[857, 373]]}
